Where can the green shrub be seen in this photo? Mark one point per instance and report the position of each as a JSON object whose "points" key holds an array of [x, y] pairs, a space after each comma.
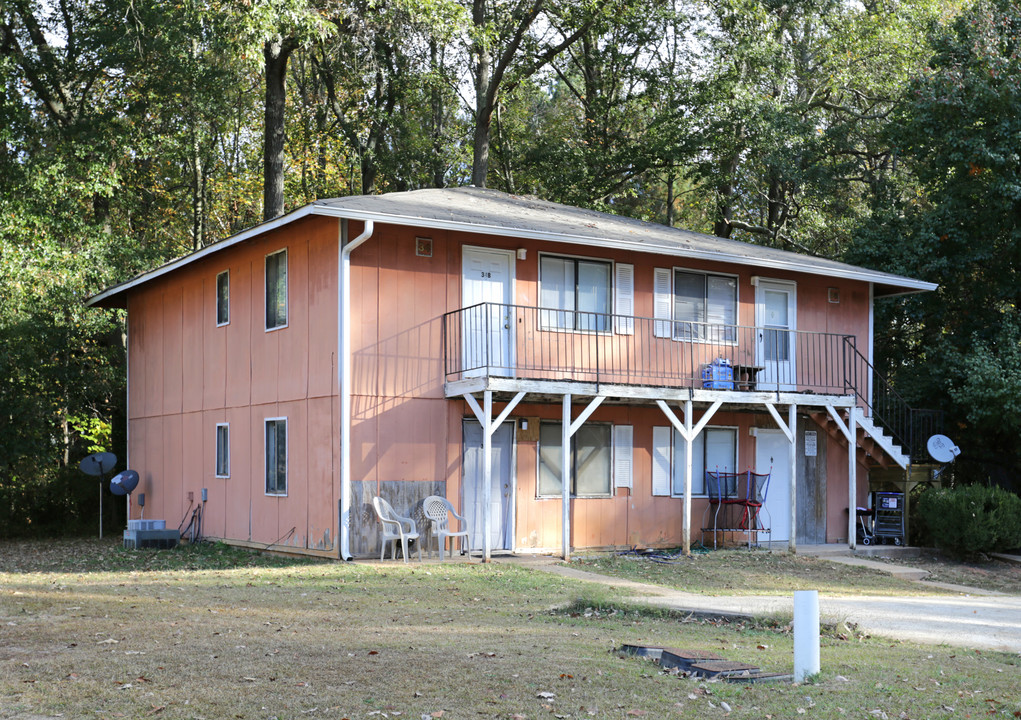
{"points": [[971, 519]]}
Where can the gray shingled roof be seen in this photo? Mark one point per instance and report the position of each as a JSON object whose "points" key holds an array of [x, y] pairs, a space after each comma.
{"points": [[492, 212]]}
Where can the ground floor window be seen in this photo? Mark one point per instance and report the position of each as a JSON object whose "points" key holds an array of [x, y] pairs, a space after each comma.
{"points": [[276, 456], [715, 449], [591, 460], [222, 450]]}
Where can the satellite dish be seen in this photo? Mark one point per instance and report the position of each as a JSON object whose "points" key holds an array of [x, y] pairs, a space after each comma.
{"points": [[123, 483], [98, 463], [942, 448]]}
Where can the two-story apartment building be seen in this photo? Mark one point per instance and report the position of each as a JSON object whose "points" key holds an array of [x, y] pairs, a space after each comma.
{"points": [[484, 346]]}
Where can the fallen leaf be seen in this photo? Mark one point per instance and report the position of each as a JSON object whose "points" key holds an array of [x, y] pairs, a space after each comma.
{"points": [[637, 713], [437, 714], [373, 652], [726, 707], [545, 695]]}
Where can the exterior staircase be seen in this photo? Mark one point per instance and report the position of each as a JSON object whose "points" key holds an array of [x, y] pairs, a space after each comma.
{"points": [[875, 446]]}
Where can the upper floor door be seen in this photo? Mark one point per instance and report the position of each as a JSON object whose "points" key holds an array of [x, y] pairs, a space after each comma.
{"points": [[775, 322], [487, 276]]}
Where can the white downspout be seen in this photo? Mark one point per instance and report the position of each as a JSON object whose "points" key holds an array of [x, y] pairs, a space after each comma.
{"points": [[344, 379]]}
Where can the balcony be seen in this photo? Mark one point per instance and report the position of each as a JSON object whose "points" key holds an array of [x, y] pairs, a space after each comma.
{"points": [[514, 348], [492, 340]]}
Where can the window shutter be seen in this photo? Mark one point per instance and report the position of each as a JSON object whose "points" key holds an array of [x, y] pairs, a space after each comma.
{"points": [[622, 456], [624, 299], [661, 460], [662, 302]]}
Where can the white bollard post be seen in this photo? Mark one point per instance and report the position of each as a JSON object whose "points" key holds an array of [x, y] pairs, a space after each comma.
{"points": [[806, 634]]}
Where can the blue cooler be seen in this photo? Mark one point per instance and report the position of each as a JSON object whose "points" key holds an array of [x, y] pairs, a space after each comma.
{"points": [[718, 375]]}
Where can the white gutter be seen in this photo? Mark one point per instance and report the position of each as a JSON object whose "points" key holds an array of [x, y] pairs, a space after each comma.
{"points": [[344, 378]]}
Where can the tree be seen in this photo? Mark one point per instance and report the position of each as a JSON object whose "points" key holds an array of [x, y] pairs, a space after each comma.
{"points": [[957, 134], [505, 46]]}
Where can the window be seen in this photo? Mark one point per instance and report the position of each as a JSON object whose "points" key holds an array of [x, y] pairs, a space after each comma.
{"points": [[568, 285], [703, 306], [276, 290], [276, 456], [590, 461], [222, 450], [714, 449], [223, 298]]}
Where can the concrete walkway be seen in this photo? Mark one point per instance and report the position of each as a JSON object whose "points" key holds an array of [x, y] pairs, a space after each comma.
{"points": [[978, 619]]}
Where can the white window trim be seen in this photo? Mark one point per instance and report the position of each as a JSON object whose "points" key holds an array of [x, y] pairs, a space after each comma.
{"points": [[287, 452], [557, 496], [610, 296], [216, 309], [672, 320], [216, 469], [287, 292], [677, 455]]}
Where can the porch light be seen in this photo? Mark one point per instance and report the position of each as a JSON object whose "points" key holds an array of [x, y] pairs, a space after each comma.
{"points": [[522, 253]]}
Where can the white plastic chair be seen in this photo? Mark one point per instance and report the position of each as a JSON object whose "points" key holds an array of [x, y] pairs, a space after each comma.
{"points": [[395, 527], [437, 508]]}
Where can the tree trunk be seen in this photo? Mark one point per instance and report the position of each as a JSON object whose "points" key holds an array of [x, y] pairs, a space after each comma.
{"points": [[483, 120], [436, 99], [275, 52]]}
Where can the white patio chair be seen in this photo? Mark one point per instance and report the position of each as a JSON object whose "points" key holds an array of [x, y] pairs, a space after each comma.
{"points": [[438, 509], [395, 527]]}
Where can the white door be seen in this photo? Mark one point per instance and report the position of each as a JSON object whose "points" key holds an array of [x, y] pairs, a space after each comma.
{"points": [[501, 497], [486, 277], [775, 320], [772, 455]]}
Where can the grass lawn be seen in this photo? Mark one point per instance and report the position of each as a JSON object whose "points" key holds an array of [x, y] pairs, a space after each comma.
{"points": [[91, 631]]}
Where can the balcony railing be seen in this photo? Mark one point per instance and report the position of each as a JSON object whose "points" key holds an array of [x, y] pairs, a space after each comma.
{"points": [[529, 343], [543, 344]]}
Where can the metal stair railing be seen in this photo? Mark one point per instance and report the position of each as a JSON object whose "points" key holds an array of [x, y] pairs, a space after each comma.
{"points": [[910, 427]]}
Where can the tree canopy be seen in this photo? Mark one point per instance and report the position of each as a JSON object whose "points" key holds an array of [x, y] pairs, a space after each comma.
{"points": [[886, 134]]}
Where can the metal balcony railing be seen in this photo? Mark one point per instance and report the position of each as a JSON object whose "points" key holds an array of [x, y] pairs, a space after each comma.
{"points": [[544, 344]]}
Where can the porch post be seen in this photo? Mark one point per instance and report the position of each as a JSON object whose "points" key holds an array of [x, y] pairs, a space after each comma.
{"points": [[487, 472], [689, 439], [792, 423], [852, 477], [565, 474]]}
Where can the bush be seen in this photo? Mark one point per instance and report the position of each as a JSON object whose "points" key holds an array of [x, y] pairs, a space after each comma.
{"points": [[971, 519]]}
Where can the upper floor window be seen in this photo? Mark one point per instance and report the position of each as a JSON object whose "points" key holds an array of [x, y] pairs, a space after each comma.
{"points": [[590, 460], [703, 306], [574, 293], [276, 456], [276, 290], [222, 450], [223, 298]]}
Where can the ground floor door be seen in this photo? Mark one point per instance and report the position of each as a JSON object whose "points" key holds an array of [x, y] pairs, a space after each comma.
{"points": [[501, 505], [772, 455]]}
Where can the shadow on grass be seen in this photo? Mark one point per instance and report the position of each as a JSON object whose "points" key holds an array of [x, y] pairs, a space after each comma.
{"points": [[92, 555]]}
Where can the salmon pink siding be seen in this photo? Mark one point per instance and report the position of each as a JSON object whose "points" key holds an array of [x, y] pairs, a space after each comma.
{"points": [[187, 375]]}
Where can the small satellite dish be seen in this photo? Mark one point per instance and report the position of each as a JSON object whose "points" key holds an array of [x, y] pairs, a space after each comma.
{"points": [[942, 449], [98, 464], [124, 482]]}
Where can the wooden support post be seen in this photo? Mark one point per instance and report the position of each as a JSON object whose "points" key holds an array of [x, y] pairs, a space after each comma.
{"points": [[565, 475], [792, 423], [852, 478]]}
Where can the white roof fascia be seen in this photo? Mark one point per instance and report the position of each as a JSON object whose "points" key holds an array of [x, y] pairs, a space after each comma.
{"points": [[637, 246], [207, 250]]}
